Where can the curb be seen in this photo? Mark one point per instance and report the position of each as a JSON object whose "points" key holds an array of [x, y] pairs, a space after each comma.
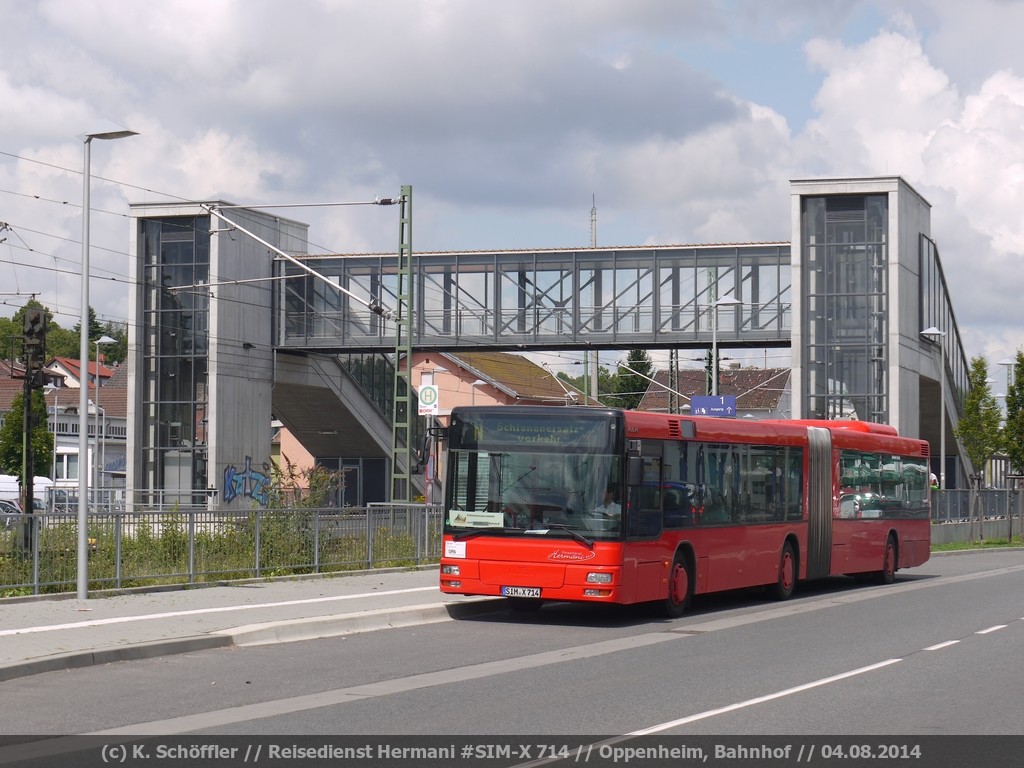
{"points": [[259, 634], [352, 623], [91, 658]]}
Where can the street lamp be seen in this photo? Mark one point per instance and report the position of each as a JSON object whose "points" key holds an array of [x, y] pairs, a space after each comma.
{"points": [[95, 464], [473, 386], [722, 302], [83, 365], [935, 334], [56, 410]]}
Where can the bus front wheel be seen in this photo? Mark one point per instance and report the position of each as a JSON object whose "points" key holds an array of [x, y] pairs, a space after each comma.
{"points": [[786, 583], [679, 587]]}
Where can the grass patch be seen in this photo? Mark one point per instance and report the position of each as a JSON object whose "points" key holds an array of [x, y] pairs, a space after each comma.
{"points": [[996, 543], [175, 549]]}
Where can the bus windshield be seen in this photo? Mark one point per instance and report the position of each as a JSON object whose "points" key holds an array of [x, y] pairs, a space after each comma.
{"points": [[532, 476]]}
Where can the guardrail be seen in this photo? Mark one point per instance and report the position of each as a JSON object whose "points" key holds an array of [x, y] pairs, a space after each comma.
{"points": [[38, 552]]}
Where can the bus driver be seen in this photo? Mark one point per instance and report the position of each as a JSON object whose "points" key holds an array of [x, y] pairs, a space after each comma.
{"points": [[609, 507]]}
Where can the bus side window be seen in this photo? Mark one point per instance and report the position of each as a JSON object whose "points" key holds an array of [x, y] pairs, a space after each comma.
{"points": [[675, 500], [678, 513], [794, 487]]}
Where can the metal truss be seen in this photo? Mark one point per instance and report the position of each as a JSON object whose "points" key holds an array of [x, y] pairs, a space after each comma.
{"points": [[643, 297]]}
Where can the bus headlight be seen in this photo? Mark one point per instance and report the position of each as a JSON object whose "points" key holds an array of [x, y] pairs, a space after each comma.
{"points": [[599, 578], [450, 570]]}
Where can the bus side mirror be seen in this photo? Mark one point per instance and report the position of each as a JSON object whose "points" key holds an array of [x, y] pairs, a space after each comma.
{"points": [[634, 470]]}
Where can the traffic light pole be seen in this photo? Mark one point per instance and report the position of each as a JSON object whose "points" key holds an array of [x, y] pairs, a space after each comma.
{"points": [[35, 352], [27, 465]]}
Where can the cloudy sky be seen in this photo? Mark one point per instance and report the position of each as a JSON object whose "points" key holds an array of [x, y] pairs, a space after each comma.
{"points": [[685, 119]]}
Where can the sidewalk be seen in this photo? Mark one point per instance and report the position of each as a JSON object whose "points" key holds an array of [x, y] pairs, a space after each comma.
{"points": [[60, 633]]}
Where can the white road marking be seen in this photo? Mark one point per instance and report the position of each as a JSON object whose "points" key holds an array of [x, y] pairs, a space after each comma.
{"points": [[199, 611], [990, 629], [939, 646], [277, 707], [762, 699]]}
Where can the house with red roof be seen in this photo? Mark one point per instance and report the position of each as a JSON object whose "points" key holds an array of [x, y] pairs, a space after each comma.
{"points": [[71, 371], [761, 393], [107, 420]]}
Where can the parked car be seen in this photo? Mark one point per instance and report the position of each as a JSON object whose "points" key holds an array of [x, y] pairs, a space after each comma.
{"points": [[8, 509]]}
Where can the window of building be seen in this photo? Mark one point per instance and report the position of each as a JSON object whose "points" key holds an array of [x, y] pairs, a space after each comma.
{"points": [[845, 276], [174, 362]]}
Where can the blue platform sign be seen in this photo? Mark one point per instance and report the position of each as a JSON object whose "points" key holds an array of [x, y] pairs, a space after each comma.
{"points": [[709, 405]]}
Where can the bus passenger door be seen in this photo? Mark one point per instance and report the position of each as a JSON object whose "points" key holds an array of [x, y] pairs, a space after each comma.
{"points": [[645, 551]]}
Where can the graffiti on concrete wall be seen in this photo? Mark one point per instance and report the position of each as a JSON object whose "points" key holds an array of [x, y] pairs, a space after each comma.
{"points": [[251, 483]]}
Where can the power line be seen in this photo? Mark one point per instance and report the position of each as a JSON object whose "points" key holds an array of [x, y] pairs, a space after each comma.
{"points": [[429, 291]]}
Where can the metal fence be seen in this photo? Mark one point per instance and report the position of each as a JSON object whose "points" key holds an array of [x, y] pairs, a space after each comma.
{"points": [[39, 552], [953, 506]]}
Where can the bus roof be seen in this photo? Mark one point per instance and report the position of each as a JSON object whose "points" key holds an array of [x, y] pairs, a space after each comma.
{"points": [[847, 424]]}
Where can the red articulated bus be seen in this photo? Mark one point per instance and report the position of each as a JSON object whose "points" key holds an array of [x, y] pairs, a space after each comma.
{"points": [[612, 506]]}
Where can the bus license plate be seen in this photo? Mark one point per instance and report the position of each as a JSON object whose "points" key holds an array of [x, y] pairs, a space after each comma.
{"points": [[520, 591]]}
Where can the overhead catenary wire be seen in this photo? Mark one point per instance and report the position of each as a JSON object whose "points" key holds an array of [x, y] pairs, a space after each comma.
{"points": [[643, 376], [372, 304], [119, 278]]}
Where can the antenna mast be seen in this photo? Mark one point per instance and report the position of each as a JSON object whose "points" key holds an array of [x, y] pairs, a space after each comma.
{"points": [[589, 370], [593, 223]]}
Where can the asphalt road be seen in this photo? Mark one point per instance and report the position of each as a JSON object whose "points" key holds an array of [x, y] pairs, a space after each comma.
{"points": [[936, 653]]}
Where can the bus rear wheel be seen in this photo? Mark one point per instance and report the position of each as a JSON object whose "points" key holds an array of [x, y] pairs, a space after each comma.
{"points": [[679, 587], [888, 573], [786, 583]]}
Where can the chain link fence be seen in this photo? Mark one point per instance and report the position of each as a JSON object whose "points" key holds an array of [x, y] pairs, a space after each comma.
{"points": [[39, 552]]}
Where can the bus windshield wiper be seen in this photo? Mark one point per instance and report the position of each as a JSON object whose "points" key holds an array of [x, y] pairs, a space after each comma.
{"points": [[572, 532]]}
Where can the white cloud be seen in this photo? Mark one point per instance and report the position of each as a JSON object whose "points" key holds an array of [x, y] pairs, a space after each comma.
{"points": [[980, 159], [879, 104], [885, 108], [507, 118]]}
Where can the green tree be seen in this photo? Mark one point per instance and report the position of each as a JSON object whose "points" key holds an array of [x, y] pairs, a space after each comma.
{"points": [[633, 379], [95, 327], [10, 347], [61, 342], [979, 431], [12, 431], [605, 383], [1013, 429], [12, 331]]}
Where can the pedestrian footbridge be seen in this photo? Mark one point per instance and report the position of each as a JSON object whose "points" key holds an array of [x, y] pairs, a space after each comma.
{"points": [[851, 295]]}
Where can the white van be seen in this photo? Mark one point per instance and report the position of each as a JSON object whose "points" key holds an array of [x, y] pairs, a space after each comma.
{"points": [[10, 490]]}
